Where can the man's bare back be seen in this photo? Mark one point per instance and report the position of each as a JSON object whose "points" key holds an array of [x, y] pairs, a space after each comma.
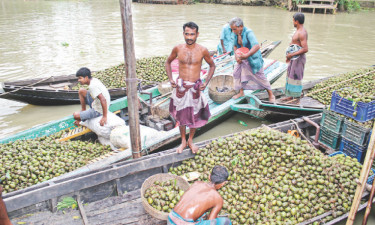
{"points": [[198, 199]]}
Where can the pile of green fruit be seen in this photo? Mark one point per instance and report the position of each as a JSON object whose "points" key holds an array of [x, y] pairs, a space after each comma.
{"points": [[28, 162], [354, 95], [163, 196], [149, 70], [276, 178], [367, 124], [364, 85]]}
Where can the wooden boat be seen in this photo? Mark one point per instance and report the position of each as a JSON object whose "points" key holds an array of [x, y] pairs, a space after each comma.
{"points": [[225, 64], [111, 195], [50, 91], [257, 104]]}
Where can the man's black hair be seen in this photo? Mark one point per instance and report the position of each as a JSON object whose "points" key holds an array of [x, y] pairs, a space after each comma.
{"points": [[191, 25], [83, 72], [219, 174], [300, 17]]}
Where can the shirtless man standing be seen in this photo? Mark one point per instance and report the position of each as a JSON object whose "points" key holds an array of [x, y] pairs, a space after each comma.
{"points": [[199, 198], [296, 58], [187, 105]]}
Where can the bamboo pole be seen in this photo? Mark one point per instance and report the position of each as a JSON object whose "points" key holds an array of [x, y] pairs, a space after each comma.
{"points": [[362, 179], [369, 204], [131, 78]]}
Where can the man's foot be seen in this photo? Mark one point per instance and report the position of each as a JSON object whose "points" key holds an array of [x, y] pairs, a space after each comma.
{"points": [[181, 147], [285, 99], [272, 99], [238, 95], [193, 147]]}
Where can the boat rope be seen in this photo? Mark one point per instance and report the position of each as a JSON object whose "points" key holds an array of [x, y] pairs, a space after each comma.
{"points": [[309, 94], [26, 86]]}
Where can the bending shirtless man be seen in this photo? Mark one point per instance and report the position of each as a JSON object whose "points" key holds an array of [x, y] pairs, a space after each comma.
{"points": [[199, 198], [188, 106]]}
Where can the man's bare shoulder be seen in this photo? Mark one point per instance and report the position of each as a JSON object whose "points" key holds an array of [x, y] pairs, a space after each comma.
{"points": [[302, 33], [201, 47], [178, 47]]}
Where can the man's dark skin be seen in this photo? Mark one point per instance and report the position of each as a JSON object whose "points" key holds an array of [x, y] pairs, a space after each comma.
{"points": [[299, 38], [82, 98], [190, 56], [4, 219], [199, 198]]}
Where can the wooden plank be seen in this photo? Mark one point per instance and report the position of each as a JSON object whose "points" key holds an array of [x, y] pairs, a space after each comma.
{"points": [[113, 200], [82, 211]]}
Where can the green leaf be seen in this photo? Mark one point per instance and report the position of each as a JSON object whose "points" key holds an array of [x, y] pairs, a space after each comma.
{"points": [[242, 123], [7, 175]]}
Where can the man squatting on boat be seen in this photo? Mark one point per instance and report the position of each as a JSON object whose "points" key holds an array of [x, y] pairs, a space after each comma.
{"points": [[97, 97], [296, 58], [248, 73], [199, 198], [4, 219], [188, 106]]}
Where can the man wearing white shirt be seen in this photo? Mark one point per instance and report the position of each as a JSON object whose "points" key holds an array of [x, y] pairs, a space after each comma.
{"points": [[97, 97]]}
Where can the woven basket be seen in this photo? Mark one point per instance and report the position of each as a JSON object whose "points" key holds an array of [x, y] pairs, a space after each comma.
{"points": [[182, 183], [221, 81], [164, 87]]}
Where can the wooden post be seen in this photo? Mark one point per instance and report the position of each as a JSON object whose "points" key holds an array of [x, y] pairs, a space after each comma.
{"points": [[363, 178], [131, 78], [369, 204]]}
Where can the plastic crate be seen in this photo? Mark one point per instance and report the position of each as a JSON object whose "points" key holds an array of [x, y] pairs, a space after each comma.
{"points": [[370, 179], [365, 111], [353, 150], [355, 133], [332, 121], [329, 138]]}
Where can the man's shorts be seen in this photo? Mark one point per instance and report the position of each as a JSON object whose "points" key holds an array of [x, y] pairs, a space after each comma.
{"points": [[90, 113]]}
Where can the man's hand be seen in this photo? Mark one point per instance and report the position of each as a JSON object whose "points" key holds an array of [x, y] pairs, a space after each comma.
{"points": [[203, 86], [103, 121], [173, 84], [76, 122], [237, 57], [289, 56]]}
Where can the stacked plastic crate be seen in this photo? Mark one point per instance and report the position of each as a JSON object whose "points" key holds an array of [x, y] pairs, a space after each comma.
{"points": [[355, 136], [330, 129]]}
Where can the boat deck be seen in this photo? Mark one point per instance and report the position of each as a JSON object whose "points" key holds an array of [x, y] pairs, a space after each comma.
{"points": [[126, 209]]}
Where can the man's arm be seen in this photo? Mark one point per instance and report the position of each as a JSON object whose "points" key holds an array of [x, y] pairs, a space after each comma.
{"points": [[254, 45], [208, 59], [222, 45], [4, 219], [303, 39], [216, 209], [252, 51], [103, 102], [222, 36], [168, 67]]}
